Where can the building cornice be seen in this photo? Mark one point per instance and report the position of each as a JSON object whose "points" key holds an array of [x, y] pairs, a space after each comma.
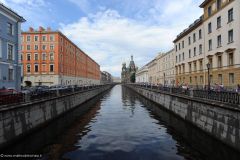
{"points": [[193, 26]]}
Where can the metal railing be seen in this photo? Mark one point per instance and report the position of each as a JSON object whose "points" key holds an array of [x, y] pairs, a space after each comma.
{"points": [[219, 96], [43, 94]]}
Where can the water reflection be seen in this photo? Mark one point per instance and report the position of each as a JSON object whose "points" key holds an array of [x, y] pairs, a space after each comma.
{"points": [[123, 125]]}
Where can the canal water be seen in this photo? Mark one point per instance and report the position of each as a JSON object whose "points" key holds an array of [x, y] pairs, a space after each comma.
{"points": [[121, 125]]}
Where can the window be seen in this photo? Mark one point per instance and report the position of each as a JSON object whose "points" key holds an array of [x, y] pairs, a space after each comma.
{"points": [[51, 37], [44, 47], [200, 34], [28, 57], [176, 48], [189, 40], [230, 15], [183, 56], [28, 47], [21, 57], [0, 49], [200, 49], [51, 68], [219, 61], [195, 66], [28, 38], [51, 47], [219, 22], [194, 37], [209, 27], [201, 79], [10, 52], [211, 79], [182, 44], [230, 59], [10, 74], [210, 45], [230, 36], [36, 67], [35, 38], [44, 56], [176, 59], [179, 46], [210, 62], [36, 56], [44, 38], [190, 67], [10, 28], [220, 78], [179, 57], [196, 79], [219, 4], [35, 47], [201, 65], [231, 78], [219, 41], [51, 56], [194, 51], [189, 53], [28, 68], [209, 11]]}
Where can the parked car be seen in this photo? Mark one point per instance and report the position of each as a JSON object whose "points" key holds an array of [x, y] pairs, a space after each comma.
{"points": [[9, 96]]}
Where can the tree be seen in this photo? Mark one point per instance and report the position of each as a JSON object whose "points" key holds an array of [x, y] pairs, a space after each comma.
{"points": [[132, 78]]}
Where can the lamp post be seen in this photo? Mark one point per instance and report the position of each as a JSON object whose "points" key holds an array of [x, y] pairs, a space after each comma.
{"points": [[208, 68]]}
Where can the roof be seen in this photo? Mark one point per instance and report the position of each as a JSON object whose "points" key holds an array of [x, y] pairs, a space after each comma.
{"points": [[12, 13], [204, 3], [191, 27]]}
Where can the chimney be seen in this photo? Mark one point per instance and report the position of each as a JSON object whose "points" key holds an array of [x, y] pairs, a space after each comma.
{"points": [[41, 29], [31, 29], [49, 29]]}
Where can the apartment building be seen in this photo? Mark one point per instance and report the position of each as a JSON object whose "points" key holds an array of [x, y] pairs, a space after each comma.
{"points": [[10, 32], [210, 40], [152, 71], [142, 75], [189, 50], [167, 71], [50, 58], [222, 40]]}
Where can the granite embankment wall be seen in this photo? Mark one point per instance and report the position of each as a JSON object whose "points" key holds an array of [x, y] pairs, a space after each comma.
{"points": [[20, 120], [219, 120]]}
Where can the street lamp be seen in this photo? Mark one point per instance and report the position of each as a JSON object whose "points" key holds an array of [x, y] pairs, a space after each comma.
{"points": [[208, 68]]}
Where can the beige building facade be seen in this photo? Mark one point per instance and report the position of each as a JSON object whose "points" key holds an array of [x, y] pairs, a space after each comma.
{"points": [[212, 39], [142, 75]]}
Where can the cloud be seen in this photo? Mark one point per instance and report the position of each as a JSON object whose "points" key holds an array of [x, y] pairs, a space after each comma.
{"points": [[138, 27], [111, 39], [36, 12]]}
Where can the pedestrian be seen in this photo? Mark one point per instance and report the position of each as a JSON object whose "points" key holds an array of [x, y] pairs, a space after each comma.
{"points": [[238, 88]]}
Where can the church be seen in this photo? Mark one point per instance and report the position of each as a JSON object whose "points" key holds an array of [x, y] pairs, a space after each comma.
{"points": [[129, 73]]}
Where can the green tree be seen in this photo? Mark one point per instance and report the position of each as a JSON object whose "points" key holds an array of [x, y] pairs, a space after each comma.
{"points": [[133, 78]]}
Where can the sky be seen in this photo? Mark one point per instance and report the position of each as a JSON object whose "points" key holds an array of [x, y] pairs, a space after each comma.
{"points": [[110, 31]]}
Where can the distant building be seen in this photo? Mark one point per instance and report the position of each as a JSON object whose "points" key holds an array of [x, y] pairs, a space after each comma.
{"points": [[142, 75], [10, 32], [128, 73], [106, 78], [50, 58], [152, 71], [166, 68], [116, 79]]}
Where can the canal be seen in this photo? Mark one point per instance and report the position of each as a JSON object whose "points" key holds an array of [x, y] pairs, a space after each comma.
{"points": [[121, 125]]}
